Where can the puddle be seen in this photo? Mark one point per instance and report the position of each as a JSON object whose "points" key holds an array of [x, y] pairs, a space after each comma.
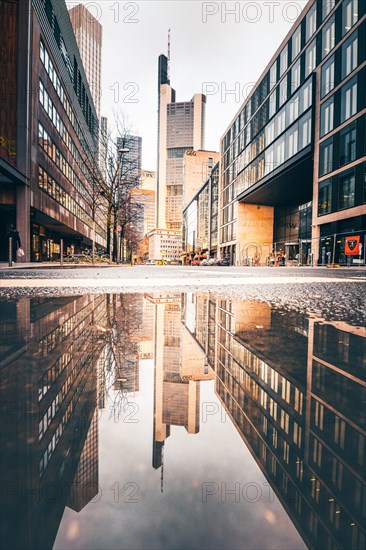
{"points": [[179, 421]]}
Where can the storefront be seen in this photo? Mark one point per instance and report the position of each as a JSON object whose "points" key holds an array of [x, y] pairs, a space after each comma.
{"points": [[46, 246]]}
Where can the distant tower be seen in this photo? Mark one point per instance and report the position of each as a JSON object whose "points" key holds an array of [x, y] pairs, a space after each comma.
{"points": [[88, 33], [180, 128]]}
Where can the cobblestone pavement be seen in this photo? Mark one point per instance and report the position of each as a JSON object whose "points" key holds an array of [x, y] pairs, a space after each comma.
{"points": [[335, 294]]}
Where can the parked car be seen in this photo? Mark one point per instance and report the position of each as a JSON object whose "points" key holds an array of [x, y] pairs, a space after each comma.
{"points": [[224, 262], [204, 261], [198, 259]]}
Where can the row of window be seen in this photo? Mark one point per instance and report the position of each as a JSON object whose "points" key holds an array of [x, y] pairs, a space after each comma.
{"points": [[49, 342], [54, 78], [72, 68], [57, 122], [288, 55], [341, 148], [340, 107], [63, 391], [56, 191], [346, 194], [346, 59], [45, 459]]}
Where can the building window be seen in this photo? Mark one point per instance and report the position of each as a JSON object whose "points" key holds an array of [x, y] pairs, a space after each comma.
{"points": [[349, 55], [349, 15], [305, 131], [327, 7], [347, 191], [285, 421], [328, 37], [310, 22], [349, 99], [296, 42], [325, 197], [326, 157], [283, 91], [310, 58], [327, 82], [292, 145], [347, 145], [327, 117], [283, 60], [273, 76], [272, 104], [295, 76]]}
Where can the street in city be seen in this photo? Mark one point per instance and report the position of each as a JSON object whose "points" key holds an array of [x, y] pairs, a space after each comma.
{"points": [[183, 275]]}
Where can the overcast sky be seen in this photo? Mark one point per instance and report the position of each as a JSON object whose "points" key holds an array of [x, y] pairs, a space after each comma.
{"points": [[211, 50]]}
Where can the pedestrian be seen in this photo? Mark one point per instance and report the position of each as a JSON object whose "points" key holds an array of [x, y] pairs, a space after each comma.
{"points": [[16, 244]]}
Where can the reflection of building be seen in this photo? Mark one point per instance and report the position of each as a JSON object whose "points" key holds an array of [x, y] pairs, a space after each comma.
{"points": [[295, 390], [48, 439], [49, 132], [88, 33], [176, 396], [293, 157], [85, 484]]}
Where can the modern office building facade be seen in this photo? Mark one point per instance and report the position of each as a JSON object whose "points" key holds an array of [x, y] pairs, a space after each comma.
{"points": [[200, 220], [293, 158], [49, 135], [89, 37]]}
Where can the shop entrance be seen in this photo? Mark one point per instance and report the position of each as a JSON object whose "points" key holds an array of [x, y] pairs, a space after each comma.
{"points": [[305, 252], [7, 218]]}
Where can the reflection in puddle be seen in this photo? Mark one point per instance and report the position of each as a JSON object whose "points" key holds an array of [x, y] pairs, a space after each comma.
{"points": [[86, 380]]}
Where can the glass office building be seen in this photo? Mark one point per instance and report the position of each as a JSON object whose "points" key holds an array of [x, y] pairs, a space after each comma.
{"points": [[293, 158]]}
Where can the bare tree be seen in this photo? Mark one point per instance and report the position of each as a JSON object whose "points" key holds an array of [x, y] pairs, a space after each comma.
{"points": [[111, 195]]}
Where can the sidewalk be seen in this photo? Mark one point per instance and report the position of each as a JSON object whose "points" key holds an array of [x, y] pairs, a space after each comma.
{"points": [[53, 265]]}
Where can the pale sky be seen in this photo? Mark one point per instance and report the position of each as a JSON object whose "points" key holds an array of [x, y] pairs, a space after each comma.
{"points": [[208, 45]]}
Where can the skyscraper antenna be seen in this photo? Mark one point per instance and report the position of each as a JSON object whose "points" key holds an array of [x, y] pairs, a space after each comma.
{"points": [[168, 55]]}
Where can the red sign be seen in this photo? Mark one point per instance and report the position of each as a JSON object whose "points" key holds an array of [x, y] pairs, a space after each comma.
{"points": [[352, 247]]}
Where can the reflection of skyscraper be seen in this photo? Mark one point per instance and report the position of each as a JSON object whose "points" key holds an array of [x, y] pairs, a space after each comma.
{"points": [[295, 392], [85, 484], [176, 401], [54, 379]]}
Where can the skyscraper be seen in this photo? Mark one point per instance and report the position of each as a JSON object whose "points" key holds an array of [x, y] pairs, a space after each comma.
{"points": [[133, 157], [180, 129], [89, 32]]}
